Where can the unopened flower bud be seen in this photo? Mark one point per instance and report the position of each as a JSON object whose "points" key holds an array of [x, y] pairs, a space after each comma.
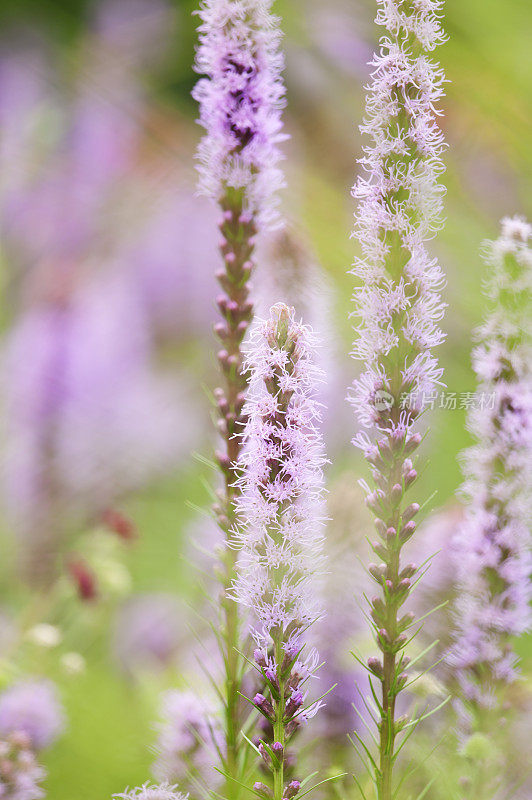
{"points": [[294, 703], [410, 477], [412, 443], [375, 665], [396, 493], [262, 790], [407, 532], [291, 790], [401, 680], [263, 705], [409, 512], [278, 751], [220, 330]]}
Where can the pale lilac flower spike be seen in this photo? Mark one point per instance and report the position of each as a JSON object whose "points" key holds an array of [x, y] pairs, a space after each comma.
{"points": [[493, 556], [281, 503], [163, 791], [398, 308], [279, 531], [400, 206], [240, 100]]}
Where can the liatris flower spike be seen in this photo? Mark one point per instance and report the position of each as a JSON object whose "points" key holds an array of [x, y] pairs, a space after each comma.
{"points": [[240, 101], [279, 533], [240, 97], [399, 308], [493, 556]]}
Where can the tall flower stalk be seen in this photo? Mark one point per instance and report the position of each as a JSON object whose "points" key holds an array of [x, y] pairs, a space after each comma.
{"points": [[399, 308], [493, 558], [240, 99], [279, 534]]}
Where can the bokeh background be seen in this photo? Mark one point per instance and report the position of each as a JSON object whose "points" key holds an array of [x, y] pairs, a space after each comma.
{"points": [[106, 268]]}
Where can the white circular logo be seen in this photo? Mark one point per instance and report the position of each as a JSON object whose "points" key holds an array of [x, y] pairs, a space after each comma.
{"points": [[383, 400]]}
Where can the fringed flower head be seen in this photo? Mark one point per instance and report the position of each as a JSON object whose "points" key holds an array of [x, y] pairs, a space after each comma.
{"points": [[146, 792], [280, 507], [279, 530], [400, 204], [240, 99], [493, 546]]}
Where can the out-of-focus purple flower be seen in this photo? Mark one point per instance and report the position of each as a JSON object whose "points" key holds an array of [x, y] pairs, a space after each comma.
{"points": [[96, 136], [292, 276], [493, 559], [341, 627], [163, 791], [148, 631], [281, 509], [32, 708], [240, 99], [188, 737], [87, 416], [336, 32], [20, 774], [24, 104], [122, 422], [36, 392], [171, 260], [435, 548], [139, 30]]}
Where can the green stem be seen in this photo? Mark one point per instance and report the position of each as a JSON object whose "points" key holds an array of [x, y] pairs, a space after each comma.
{"points": [[237, 249], [279, 732]]}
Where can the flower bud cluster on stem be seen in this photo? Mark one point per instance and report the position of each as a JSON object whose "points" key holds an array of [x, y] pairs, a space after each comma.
{"points": [[279, 531]]}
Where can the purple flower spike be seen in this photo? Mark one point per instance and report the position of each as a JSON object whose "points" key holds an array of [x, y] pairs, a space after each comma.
{"points": [[240, 100], [492, 554], [241, 96]]}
